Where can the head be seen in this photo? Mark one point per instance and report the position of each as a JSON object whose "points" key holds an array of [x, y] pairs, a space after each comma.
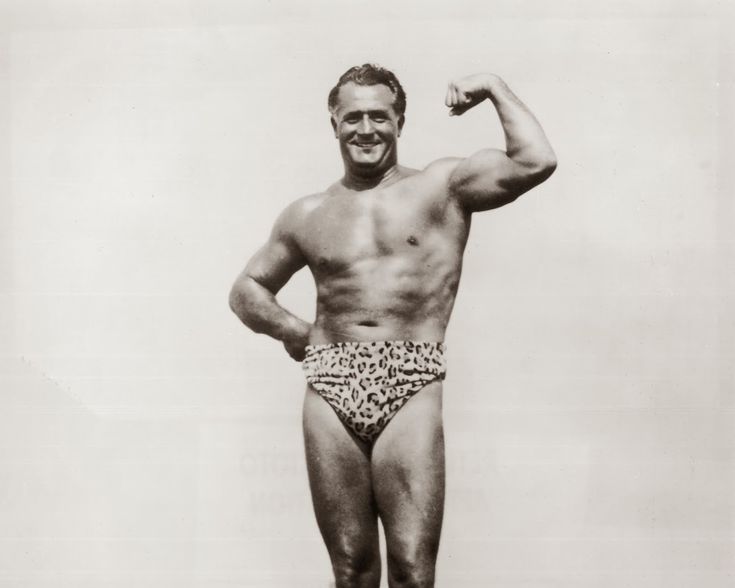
{"points": [[367, 107]]}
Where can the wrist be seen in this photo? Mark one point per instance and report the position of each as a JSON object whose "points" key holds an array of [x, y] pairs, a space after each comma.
{"points": [[493, 85], [293, 329]]}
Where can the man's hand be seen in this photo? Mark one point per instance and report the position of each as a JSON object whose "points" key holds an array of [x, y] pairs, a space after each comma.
{"points": [[296, 342], [467, 92]]}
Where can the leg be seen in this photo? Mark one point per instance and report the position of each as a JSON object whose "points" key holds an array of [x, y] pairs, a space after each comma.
{"points": [[339, 476], [408, 481]]}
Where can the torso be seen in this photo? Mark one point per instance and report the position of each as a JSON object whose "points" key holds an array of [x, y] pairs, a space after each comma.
{"points": [[386, 261]]}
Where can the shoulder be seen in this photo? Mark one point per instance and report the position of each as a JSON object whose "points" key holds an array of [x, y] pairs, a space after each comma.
{"points": [[442, 171], [454, 169], [439, 173], [293, 216], [442, 167]]}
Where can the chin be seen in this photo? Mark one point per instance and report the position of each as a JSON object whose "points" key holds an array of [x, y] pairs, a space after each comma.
{"points": [[367, 162], [367, 166], [369, 159]]}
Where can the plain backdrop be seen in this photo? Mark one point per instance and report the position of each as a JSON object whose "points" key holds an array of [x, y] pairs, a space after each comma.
{"points": [[148, 439]]}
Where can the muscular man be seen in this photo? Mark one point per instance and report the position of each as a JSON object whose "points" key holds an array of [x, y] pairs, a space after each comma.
{"points": [[384, 244]]}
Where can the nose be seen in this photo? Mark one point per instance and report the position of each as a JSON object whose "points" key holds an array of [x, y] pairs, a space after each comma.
{"points": [[366, 126]]}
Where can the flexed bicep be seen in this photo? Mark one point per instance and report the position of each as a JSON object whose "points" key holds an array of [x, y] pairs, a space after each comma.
{"points": [[490, 179]]}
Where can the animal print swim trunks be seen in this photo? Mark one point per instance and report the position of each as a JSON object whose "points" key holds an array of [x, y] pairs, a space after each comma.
{"points": [[367, 383]]}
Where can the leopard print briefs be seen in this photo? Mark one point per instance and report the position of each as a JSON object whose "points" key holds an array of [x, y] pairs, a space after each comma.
{"points": [[367, 383]]}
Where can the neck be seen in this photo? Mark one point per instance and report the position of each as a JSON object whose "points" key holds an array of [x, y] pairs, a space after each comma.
{"points": [[356, 181]]}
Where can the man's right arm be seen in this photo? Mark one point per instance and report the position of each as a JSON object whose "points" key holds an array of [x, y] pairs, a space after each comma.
{"points": [[253, 295], [491, 177]]}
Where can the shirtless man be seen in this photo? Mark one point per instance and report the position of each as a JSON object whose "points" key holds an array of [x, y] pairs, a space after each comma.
{"points": [[384, 244]]}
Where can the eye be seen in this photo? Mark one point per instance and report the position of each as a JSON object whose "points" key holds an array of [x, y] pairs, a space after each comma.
{"points": [[351, 120]]}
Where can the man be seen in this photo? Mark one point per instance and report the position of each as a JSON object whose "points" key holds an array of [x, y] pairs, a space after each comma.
{"points": [[384, 244]]}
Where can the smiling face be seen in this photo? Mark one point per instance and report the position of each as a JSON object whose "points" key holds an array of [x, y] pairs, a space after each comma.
{"points": [[367, 127]]}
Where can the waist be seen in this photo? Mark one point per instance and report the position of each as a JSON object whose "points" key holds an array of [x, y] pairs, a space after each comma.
{"points": [[408, 345], [344, 357], [327, 331]]}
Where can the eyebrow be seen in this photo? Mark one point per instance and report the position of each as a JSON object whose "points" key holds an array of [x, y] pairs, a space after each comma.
{"points": [[370, 112]]}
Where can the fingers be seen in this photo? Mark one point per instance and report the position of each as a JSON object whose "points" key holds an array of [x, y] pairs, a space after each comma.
{"points": [[457, 101], [297, 353], [464, 103], [461, 105], [452, 99]]}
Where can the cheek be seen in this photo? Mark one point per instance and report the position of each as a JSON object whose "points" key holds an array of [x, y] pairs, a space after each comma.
{"points": [[388, 133], [345, 131]]}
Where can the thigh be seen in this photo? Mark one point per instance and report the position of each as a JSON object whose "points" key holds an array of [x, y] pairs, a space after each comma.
{"points": [[338, 466], [408, 477]]}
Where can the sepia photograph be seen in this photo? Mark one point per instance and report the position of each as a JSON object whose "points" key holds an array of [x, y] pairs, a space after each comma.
{"points": [[367, 294]]}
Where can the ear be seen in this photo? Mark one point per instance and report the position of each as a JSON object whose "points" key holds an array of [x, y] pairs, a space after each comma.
{"points": [[334, 126], [401, 120]]}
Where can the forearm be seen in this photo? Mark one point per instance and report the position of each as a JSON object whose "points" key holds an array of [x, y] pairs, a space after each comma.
{"points": [[525, 140], [259, 310]]}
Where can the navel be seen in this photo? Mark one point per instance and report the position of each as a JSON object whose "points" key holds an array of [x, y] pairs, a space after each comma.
{"points": [[412, 240]]}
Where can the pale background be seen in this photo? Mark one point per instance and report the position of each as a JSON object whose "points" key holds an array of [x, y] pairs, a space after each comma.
{"points": [[147, 439]]}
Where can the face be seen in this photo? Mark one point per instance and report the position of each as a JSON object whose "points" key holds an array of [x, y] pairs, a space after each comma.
{"points": [[367, 127]]}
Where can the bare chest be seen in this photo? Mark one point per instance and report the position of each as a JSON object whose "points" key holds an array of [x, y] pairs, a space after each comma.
{"points": [[348, 228]]}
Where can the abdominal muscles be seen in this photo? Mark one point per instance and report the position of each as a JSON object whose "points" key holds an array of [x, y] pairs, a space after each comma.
{"points": [[388, 297]]}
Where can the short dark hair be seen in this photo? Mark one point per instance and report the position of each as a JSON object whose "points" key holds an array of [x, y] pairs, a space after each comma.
{"points": [[370, 74]]}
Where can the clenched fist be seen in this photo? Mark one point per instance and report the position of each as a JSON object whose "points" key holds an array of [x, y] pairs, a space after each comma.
{"points": [[465, 93]]}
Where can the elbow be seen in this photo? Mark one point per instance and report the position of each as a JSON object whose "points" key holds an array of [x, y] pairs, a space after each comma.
{"points": [[234, 298], [549, 165], [243, 301], [238, 299], [542, 169]]}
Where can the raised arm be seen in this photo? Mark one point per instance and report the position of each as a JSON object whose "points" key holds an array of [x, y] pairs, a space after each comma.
{"points": [[491, 178], [253, 295]]}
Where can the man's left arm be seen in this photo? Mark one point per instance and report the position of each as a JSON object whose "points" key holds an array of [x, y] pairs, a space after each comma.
{"points": [[491, 178]]}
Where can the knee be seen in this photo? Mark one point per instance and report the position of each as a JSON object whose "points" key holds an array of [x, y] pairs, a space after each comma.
{"points": [[412, 567], [412, 575], [356, 568]]}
